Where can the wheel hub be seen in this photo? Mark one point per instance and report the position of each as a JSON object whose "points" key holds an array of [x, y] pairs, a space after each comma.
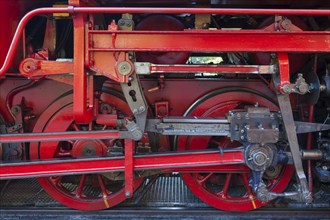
{"points": [[87, 191], [231, 190], [259, 158], [88, 148]]}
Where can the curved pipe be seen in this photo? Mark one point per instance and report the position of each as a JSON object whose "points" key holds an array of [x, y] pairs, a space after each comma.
{"points": [[19, 32], [132, 10]]}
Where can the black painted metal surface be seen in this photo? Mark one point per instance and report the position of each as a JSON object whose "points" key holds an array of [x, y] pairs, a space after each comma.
{"points": [[167, 198]]}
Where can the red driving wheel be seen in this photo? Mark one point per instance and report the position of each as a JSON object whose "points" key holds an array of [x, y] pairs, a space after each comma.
{"points": [[228, 190], [83, 192], [161, 23]]}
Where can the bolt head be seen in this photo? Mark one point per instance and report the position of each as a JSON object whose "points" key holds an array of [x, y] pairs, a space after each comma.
{"points": [[124, 68], [127, 194], [141, 109]]}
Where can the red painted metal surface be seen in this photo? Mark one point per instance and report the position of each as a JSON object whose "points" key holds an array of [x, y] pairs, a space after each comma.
{"points": [[58, 136], [295, 25], [71, 10], [129, 167], [59, 117], [283, 63], [225, 195], [211, 41], [110, 195], [58, 114], [19, 32], [244, 69], [81, 112], [32, 68], [225, 11], [165, 23], [103, 165], [9, 11]]}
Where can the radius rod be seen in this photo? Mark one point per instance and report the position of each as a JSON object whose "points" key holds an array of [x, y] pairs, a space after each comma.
{"points": [[166, 126]]}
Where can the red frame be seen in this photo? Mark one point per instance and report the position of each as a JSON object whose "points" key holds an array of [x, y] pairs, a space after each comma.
{"points": [[125, 41]]}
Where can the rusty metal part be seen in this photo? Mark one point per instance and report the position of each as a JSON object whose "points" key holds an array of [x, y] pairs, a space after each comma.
{"points": [[202, 21], [189, 126], [255, 125], [126, 22]]}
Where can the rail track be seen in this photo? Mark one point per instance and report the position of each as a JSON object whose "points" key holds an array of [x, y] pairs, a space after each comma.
{"points": [[167, 198], [163, 213]]}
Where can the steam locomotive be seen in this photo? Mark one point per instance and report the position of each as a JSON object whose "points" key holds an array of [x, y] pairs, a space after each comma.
{"points": [[98, 97]]}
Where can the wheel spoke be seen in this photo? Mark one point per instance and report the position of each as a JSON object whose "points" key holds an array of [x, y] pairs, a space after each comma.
{"points": [[205, 178], [76, 126], [246, 184], [233, 192], [81, 185], [57, 180], [90, 126], [83, 192], [102, 185], [224, 191]]}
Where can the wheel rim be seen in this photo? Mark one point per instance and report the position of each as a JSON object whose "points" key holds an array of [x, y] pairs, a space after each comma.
{"points": [[83, 192], [228, 191]]}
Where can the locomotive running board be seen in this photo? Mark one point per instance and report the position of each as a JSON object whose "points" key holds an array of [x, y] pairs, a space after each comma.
{"points": [[168, 162]]}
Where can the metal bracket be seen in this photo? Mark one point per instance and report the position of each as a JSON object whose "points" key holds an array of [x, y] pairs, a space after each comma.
{"points": [[136, 100]]}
